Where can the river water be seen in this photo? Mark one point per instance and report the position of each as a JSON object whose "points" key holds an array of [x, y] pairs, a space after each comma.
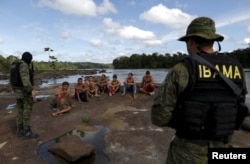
{"points": [[158, 74]]}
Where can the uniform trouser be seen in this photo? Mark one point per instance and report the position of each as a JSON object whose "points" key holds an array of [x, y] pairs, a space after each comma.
{"points": [[183, 151], [24, 106]]}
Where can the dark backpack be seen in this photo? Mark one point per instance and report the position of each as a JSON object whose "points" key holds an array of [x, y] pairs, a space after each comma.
{"points": [[15, 78]]}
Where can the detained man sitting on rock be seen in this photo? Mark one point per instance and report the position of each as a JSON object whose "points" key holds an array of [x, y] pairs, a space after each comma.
{"points": [[62, 99], [81, 90]]}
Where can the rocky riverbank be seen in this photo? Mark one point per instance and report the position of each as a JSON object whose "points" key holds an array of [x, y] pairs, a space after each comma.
{"points": [[130, 136], [41, 75]]}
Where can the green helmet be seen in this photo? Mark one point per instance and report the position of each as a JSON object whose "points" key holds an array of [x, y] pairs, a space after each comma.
{"points": [[203, 27]]}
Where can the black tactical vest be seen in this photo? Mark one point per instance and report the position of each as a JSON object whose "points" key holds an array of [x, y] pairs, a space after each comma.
{"points": [[15, 77], [207, 109]]}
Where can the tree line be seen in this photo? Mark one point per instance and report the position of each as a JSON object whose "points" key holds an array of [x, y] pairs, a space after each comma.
{"points": [[167, 60], [135, 61], [52, 64], [147, 61]]}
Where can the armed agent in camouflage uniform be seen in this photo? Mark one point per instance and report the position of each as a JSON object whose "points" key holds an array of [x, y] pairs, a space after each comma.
{"points": [[24, 97], [195, 101]]}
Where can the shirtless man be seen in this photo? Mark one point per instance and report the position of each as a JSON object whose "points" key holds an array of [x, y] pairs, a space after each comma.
{"points": [[63, 101], [81, 91], [147, 85], [114, 86], [129, 84], [93, 89], [102, 84]]}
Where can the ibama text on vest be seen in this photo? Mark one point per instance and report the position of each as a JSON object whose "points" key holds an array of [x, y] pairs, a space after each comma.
{"points": [[230, 71]]}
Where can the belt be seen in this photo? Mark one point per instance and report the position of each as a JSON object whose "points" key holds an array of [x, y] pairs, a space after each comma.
{"points": [[204, 137], [201, 143], [205, 141]]}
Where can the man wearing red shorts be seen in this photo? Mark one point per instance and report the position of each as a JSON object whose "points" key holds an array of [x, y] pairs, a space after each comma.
{"points": [[148, 85]]}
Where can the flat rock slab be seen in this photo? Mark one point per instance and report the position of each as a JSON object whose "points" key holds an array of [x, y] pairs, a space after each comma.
{"points": [[71, 148]]}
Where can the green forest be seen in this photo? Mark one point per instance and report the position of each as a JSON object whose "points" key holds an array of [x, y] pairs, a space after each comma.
{"points": [[135, 61], [167, 60]]}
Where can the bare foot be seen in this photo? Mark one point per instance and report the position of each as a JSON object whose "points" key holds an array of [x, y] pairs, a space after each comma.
{"points": [[54, 114], [151, 93]]}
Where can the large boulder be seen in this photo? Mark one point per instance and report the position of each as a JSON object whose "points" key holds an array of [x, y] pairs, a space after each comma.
{"points": [[71, 148]]}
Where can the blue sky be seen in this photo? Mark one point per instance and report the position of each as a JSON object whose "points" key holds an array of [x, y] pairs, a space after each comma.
{"points": [[102, 30]]}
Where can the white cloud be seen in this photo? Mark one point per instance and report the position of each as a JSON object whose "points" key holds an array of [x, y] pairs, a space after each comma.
{"points": [[233, 19], [95, 42], [154, 42], [246, 41], [79, 7], [147, 37], [112, 26], [65, 35], [173, 18], [106, 7], [131, 32]]}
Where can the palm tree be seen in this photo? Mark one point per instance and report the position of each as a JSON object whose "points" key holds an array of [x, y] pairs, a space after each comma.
{"points": [[49, 50]]}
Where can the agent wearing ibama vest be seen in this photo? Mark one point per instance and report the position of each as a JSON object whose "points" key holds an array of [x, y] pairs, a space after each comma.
{"points": [[195, 101]]}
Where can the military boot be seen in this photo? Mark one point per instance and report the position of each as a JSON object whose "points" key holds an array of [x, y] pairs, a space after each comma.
{"points": [[19, 130], [28, 134]]}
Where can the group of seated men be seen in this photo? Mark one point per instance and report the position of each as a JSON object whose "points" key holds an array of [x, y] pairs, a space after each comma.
{"points": [[90, 88]]}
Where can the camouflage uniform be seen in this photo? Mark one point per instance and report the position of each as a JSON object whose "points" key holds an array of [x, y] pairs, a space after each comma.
{"points": [[24, 99], [23, 96], [164, 103], [183, 150]]}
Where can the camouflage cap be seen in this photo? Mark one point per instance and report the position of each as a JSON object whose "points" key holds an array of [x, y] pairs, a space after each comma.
{"points": [[203, 27]]}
